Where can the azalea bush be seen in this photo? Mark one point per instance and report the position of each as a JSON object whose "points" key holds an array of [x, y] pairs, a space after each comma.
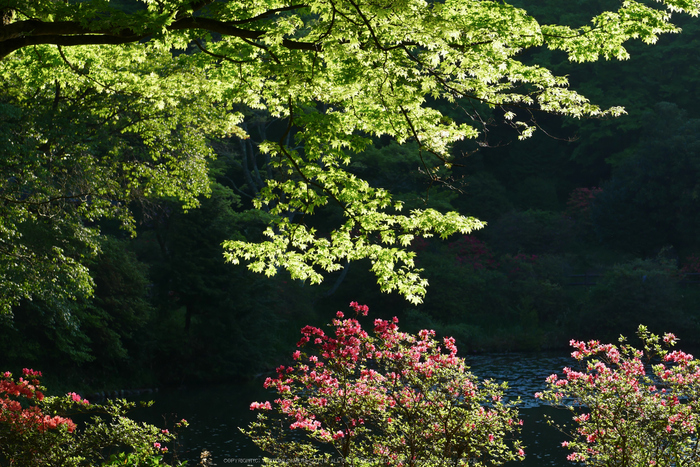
{"points": [[578, 205], [692, 265], [390, 398], [631, 407], [469, 250], [37, 430]]}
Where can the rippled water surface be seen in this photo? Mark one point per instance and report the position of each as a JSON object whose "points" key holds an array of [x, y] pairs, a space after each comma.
{"points": [[216, 412], [525, 372]]}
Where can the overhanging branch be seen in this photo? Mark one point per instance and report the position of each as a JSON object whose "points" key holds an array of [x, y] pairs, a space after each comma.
{"points": [[10, 45], [20, 34]]}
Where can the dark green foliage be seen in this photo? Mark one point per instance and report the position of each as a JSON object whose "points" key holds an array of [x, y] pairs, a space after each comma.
{"points": [[531, 231], [120, 309], [537, 172], [482, 196], [509, 302], [638, 291], [418, 178], [667, 72], [102, 334], [537, 193], [464, 292], [212, 316], [187, 316], [63, 169], [653, 199], [167, 305]]}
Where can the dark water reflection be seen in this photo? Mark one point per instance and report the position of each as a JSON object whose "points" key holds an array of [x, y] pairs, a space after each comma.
{"points": [[216, 412]]}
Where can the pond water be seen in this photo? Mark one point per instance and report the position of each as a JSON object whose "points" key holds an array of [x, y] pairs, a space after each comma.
{"points": [[215, 412]]}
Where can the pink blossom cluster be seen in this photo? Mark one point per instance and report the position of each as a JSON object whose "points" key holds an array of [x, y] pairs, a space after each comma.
{"points": [[390, 394], [159, 447], [19, 418], [609, 352], [77, 398], [471, 251], [359, 309], [23, 387], [691, 265], [51, 423], [580, 199]]}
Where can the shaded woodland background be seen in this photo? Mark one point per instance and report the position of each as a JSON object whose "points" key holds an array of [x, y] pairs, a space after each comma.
{"points": [[618, 200]]}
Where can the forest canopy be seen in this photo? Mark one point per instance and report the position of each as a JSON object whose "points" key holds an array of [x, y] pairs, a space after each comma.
{"points": [[108, 105]]}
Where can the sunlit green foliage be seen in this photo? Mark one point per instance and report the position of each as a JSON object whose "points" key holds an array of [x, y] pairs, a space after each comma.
{"points": [[109, 102]]}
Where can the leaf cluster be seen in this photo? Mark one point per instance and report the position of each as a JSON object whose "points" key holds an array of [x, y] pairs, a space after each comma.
{"points": [[106, 104]]}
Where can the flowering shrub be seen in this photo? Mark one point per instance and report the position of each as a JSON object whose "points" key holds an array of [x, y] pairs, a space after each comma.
{"points": [[579, 202], [692, 265], [520, 266], [419, 244], [629, 413], [388, 399], [36, 430], [471, 251], [22, 419]]}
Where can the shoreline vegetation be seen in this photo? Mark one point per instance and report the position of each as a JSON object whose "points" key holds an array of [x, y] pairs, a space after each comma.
{"points": [[106, 309], [407, 398], [184, 184], [516, 303]]}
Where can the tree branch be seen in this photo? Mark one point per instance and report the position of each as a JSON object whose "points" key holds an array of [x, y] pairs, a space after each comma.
{"points": [[9, 46], [15, 36]]}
